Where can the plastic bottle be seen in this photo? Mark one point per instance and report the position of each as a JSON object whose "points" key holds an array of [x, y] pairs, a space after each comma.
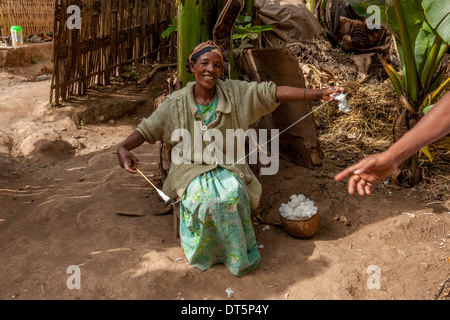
{"points": [[17, 35]]}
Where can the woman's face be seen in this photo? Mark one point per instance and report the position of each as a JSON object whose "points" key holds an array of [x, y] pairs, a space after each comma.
{"points": [[207, 69]]}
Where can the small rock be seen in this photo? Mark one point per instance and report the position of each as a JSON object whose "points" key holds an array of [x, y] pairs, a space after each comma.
{"points": [[35, 39], [42, 77]]}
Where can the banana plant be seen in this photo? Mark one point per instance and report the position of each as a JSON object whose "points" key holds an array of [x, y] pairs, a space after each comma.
{"points": [[422, 32], [194, 24]]}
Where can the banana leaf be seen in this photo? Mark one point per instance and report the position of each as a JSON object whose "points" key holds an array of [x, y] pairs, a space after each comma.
{"points": [[440, 90], [419, 27], [396, 80], [437, 13]]}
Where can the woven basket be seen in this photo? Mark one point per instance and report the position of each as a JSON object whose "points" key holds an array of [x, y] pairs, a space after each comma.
{"points": [[301, 228]]}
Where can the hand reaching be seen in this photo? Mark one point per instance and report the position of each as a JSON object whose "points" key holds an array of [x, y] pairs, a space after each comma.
{"points": [[367, 172]]}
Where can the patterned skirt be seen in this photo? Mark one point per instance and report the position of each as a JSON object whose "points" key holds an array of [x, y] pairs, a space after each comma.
{"points": [[215, 223]]}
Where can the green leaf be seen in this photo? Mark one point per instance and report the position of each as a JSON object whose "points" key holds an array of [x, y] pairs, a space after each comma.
{"points": [[425, 110], [266, 27], [238, 36], [173, 27], [362, 6], [166, 33], [440, 90], [240, 19], [429, 69], [425, 151], [438, 15], [424, 40], [405, 13], [396, 80], [240, 30], [437, 81]]}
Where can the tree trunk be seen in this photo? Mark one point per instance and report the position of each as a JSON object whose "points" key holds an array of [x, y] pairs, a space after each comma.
{"points": [[409, 174], [196, 20]]}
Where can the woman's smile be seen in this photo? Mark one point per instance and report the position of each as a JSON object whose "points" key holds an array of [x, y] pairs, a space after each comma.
{"points": [[209, 78], [207, 69]]}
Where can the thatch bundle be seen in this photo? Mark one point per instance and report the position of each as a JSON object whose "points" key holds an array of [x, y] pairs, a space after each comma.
{"points": [[373, 110], [373, 101]]}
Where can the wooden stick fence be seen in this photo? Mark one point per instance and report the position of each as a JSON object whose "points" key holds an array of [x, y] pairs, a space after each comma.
{"points": [[34, 16], [113, 34]]}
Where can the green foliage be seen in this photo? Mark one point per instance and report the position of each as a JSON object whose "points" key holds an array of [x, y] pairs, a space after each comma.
{"points": [[244, 32], [311, 5], [133, 74], [425, 110], [422, 31], [173, 27]]}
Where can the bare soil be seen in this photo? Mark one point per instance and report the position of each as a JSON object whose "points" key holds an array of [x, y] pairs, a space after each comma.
{"points": [[60, 204]]}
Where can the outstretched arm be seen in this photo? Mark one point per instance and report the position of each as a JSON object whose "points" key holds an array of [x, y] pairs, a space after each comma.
{"points": [[126, 159], [287, 93], [434, 125]]}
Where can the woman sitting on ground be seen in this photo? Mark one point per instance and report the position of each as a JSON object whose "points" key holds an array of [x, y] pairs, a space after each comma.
{"points": [[216, 200]]}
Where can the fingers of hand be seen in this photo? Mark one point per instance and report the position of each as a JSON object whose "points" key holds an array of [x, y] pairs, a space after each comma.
{"points": [[364, 187], [131, 164], [367, 188], [352, 183], [346, 172], [361, 187]]}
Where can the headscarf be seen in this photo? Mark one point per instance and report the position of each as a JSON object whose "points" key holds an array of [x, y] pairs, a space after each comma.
{"points": [[200, 49]]}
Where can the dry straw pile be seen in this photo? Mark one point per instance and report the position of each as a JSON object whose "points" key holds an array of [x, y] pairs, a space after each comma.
{"points": [[373, 101], [370, 122]]}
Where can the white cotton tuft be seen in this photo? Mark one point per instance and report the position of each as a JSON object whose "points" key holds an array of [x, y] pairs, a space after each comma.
{"points": [[229, 292], [298, 208], [343, 104], [164, 196]]}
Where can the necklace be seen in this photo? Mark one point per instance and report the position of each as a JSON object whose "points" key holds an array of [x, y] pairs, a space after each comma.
{"points": [[202, 101]]}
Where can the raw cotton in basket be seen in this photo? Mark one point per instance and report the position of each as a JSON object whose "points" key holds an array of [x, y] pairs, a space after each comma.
{"points": [[298, 208]]}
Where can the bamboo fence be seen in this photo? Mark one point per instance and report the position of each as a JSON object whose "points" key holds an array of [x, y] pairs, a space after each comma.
{"points": [[113, 34], [34, 16]]}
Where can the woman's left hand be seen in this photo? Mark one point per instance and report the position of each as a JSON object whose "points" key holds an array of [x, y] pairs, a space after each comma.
{"points": [[326, 93]]}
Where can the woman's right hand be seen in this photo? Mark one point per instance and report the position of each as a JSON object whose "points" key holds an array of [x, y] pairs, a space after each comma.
{"points": [[127, 160]]}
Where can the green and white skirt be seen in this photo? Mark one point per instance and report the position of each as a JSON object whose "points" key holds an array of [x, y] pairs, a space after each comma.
{"points": [[215, 223]]}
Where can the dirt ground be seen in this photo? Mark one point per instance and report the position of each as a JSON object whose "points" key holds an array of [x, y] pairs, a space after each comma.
{"points": [[61, 189]]}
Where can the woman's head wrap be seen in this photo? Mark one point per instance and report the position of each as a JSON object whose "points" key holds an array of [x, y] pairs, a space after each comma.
{"points": [[200, 49]]}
